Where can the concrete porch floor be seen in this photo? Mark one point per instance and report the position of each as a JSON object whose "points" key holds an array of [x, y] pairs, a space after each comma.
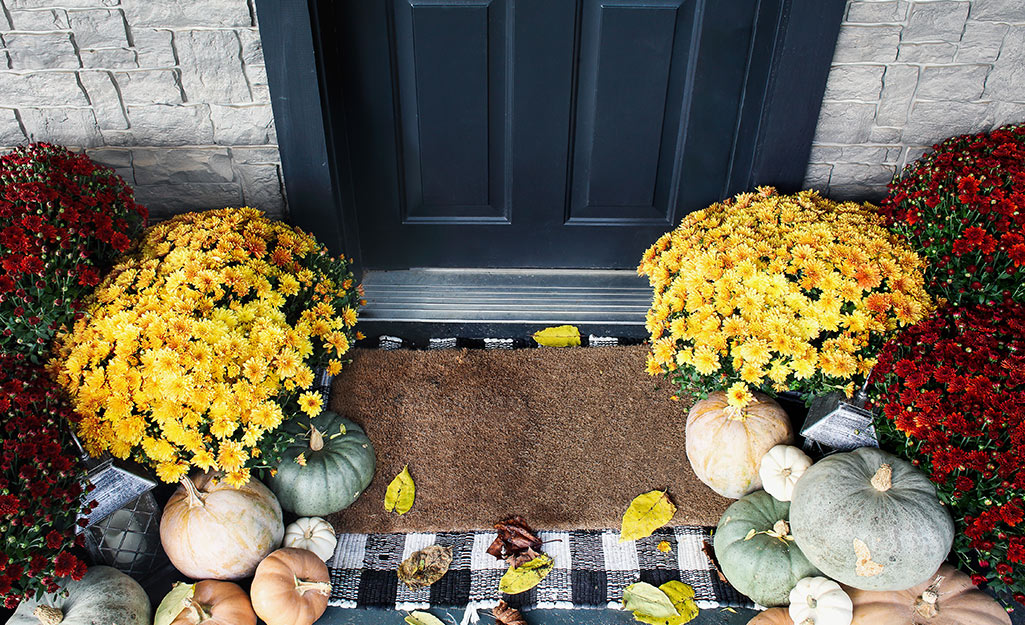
{"points": [[341, 616]]}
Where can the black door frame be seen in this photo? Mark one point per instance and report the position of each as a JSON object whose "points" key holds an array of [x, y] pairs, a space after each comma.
{"points": [[775, 132]]}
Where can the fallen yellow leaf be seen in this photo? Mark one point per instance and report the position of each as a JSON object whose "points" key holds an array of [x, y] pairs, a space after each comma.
{"points": [[646, 513], [558, 336], [524, 577], [665, 547], [423, 618], [399, 496]]}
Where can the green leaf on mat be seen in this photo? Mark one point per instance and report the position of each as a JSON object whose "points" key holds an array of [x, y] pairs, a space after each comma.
{"points": [[682, 597], [670, 604], [524, 577], [559, 336], [646, 513], [399, 496], [423, 618], [173, 603]]}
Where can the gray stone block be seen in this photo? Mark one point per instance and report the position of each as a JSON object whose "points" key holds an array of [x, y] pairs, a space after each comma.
{"points": [[187, 13], [99, 28], [161, 124], [262, 189], [149, 86], [210, 66], [75, 127], [261, 94], [926, 52], [109, 58], [10, 128], [243, 125], [257, 74], [182, 165], [899, 84], [267, 155], [931, 122], [165, 201], [118, 160], [861, 174], [817, 177], [913, 153], [42, 19], [118, 137], [980, 42], [877, 12], [998, 10], [876, 44], [1008, 113], [69, 4], [40, 89], [252, 46], [856, 192], [844, 122], [154, 47], [105, 99], [884, 134], [952, 82], [855, 82], [936, 21], [1008, 75], [41, 51]]}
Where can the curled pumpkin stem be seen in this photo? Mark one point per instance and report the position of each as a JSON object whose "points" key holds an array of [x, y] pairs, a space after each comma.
{"points": [[201, 614], [48, 615], [302, 587], [883, 479], [316, 438], [193, 497], [926, 605]]}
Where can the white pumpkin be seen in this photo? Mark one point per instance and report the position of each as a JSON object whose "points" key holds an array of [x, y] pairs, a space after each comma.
{"points": [[820, 601], [780, 469], [313, 534]]}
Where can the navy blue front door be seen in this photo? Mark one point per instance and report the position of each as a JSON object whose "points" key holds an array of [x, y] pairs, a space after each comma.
{"points": [[542, 133]]}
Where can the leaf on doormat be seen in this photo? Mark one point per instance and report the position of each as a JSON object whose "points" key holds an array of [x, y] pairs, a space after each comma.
{"points": [[671, 603], [505, 615], [425, 567], [399, 496], [524, 577], [423, 618], [558, 336], [646, 513], [682, 597], [516, 542]]}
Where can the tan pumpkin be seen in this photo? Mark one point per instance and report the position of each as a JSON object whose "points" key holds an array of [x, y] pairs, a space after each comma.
{"points": [[291, 587], [211, 530], [215, 603], [773, 616], [947, 598], [725, 445]]}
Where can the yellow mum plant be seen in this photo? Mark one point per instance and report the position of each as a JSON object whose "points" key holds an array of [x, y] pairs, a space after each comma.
{"points": [[778, 292], [195, 348]]}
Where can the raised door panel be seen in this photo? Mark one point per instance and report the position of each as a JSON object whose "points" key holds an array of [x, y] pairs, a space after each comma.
{"points": [[453, 118], [634, 85]]}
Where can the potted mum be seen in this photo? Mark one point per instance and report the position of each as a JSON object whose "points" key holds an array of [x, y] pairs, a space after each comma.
{"points": [[195, 348], [63, 220]]}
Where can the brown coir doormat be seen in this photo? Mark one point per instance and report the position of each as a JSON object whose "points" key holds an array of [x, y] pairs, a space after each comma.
{"points": [[564, 437]]}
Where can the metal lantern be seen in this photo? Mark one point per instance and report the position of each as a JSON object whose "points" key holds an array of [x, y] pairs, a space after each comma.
{"points": [[835, 422]]}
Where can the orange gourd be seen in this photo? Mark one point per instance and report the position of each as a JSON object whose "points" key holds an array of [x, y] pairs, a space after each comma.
{"points": [[774, 616], [291, 587], [217, 603], [725, 445], [211, 530], [947, 598]]}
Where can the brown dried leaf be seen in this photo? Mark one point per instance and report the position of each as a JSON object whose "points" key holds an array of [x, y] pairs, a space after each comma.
{"points": [[425, 567], [516, 541], [504, 615]]}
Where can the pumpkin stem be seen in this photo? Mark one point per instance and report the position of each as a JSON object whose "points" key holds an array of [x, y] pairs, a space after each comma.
{"points": [[48, 615], [316, 438], [781, 528], [925, 605], [302, 586], [734, 413], [201, 614], [192, 496], [883, 479]]}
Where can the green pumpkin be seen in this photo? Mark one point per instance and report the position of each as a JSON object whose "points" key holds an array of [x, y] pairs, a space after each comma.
{"points": [[104, 596], [756, 551], [338, 467], [871, 520]]}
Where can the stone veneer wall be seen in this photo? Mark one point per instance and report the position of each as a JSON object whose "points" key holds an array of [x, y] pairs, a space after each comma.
{"points": [[907, 74], [171, 93]]}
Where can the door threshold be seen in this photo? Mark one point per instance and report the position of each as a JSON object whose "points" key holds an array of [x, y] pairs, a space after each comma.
{"points": [[417, 304]]}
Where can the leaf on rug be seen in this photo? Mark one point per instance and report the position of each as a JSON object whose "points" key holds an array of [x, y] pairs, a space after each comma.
{"points": [[646, 513], [522, 578], [399, 496], [672, 603], [425, 567], [423, 618], [516, 542], [505, 615], [558, 336]]}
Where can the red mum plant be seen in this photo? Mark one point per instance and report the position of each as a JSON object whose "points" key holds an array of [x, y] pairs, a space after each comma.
{"points": [[63, 219], [963, 207], [42, 483], [952, 394]]}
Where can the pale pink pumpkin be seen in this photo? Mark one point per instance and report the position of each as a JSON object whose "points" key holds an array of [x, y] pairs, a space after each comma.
{"points": [[773, 616], [725, 445]]}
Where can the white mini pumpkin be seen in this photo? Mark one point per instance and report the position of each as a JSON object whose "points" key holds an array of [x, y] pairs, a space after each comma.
{"points": [[820, 601], [313, 534], [780, 469]]}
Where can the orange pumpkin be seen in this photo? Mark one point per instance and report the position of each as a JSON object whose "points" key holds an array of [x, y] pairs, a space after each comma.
{"points": [[291, 587], [725, 445], [775, 616], [947, 598], [217, 603], [211, 530]]}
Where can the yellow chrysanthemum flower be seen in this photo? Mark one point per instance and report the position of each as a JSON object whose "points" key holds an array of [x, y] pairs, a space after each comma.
{"points": [[311, 403]]}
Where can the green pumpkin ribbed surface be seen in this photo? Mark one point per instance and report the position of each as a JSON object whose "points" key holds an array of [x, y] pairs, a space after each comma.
{"points": [[333, 477], [762, 567]]}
